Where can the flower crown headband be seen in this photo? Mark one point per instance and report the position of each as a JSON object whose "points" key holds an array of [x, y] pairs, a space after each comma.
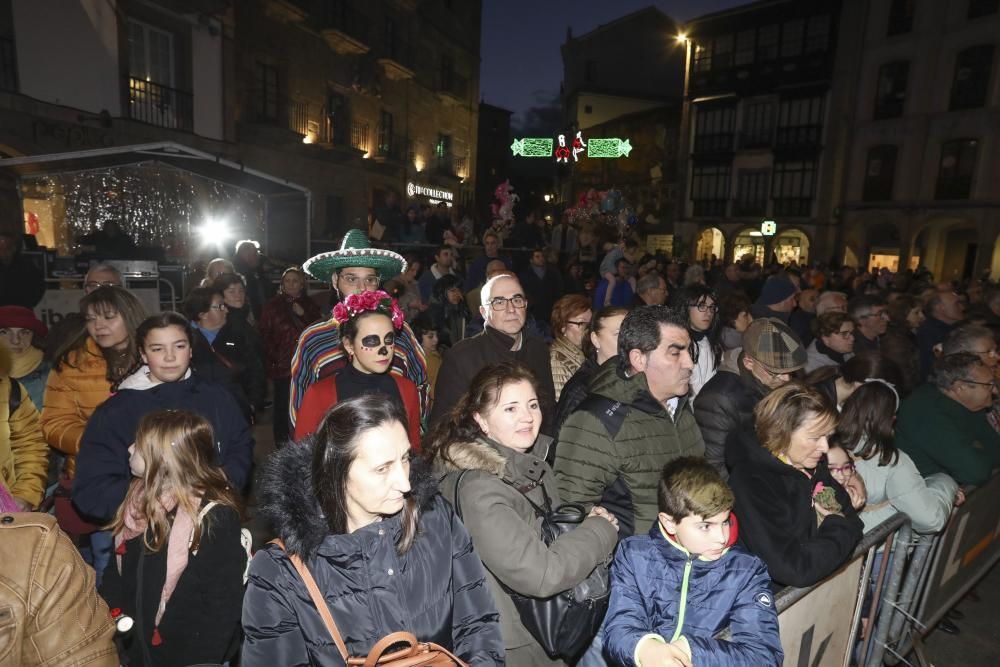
{"points": [[377, 301]]}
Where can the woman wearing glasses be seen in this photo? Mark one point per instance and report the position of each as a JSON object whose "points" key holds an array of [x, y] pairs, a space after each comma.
{"points": [[703, 325], [221, 354], [834, 343], [571, 317], [369, 324]]}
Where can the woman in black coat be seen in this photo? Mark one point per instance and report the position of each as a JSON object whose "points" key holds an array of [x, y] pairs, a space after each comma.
{"points": [[386, 551], [792, 513]]}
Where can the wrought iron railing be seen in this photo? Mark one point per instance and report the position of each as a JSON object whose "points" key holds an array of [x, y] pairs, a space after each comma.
{"points": [[160, 105]]}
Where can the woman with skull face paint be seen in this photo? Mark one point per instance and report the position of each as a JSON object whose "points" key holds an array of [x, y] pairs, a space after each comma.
{"points": [[369, 325]]}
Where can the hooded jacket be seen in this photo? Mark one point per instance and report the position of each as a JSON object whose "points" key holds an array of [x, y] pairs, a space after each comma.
{"points": [[53, 615], [612, 453], [103, 473], [724, 406], [778, 522], [436, 590], [660, 591], [506, 530], [24, 456]]}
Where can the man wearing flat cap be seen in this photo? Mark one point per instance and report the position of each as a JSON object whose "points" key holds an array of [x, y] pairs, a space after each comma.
{"points": [[356, 267]]}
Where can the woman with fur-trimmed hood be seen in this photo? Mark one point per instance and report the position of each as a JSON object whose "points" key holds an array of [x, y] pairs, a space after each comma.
{"points": [[387, 552], [490, 444]]}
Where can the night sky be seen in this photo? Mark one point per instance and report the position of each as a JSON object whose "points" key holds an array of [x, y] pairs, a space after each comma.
{"points": [[521, 65]]}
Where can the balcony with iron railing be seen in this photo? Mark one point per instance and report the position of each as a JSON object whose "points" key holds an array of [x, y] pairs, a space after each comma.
{"points": [[714, 143], [397, 60], [160, 105], [360, 136], [8, 65], [345, 29], [449, 164], [798, 136], [391, 146], [452, 88]]}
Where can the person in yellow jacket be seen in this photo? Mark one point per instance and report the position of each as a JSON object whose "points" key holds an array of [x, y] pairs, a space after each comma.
{"points": [[24, 456]]}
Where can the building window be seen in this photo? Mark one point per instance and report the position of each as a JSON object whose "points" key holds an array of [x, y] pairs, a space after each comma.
{"points": [[978, 8], [880, 172], [800, 122], [767, 43], [338, 118], [590, 71], [751, 192], [722, 52], [8, 65], [972, 77], [901, 17], [702, 57], [588, 108], [384, 138], [791, 37], [890, 92], [818, 34], [744, 47], [958, 162], [713, 129], [266, 91], [710, 189], [793, 187], [150, 54], [758, 125]]}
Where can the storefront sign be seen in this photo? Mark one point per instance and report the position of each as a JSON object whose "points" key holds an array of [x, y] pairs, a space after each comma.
{"points": [[412, 190], [768, 228]]}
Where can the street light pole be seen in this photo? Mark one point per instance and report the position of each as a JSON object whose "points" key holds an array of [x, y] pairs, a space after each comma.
{"points": [[683, 151]]}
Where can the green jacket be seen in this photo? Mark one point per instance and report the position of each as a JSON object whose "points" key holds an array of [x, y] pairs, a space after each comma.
{"points": [[941, 435], [506, 530], [612, 449]]}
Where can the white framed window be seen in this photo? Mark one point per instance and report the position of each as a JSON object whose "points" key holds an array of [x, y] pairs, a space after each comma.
{"points": [[151, 54]]}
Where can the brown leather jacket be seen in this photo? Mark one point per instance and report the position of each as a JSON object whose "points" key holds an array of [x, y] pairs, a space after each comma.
{"points": [[50, 613]]}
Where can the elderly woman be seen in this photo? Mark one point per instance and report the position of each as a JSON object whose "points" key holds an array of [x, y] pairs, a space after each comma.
{"points": [[793, 514], [834, 343], [571, 317], [493, 460], [386, 552]]}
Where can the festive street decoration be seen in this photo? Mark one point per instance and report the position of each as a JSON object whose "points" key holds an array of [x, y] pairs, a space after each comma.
{"points": [[609, 148], [532, 147], [604, 147]]}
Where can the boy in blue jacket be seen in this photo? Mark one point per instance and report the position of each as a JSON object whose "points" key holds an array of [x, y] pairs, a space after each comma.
{"points": [[675, 589]]}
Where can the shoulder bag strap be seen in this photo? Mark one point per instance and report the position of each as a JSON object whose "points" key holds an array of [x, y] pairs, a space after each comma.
{"points": [[317, 598]]}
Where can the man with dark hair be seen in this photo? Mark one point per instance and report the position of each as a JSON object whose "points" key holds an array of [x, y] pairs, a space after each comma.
{"points": [[247, 261], [943, 424], [621, 291], [542, 285], [635, 420], [444, 265], [944, 311], [475, 274], [871, 317]]}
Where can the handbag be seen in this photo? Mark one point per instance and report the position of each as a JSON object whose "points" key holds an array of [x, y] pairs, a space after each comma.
{"points": [[566, 623], [413, 653]]}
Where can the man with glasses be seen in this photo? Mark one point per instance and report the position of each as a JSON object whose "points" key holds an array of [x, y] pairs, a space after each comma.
{"points": [[871, 315], [356, 267], [503, 338], [943, 424], [771, 353], [834, 344]]}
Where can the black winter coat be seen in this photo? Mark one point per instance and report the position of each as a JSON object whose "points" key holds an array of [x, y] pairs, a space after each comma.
{"points": [[777, 518], [437, 590], [725, 406], [573, 393], [235, 362], [201, 623], [102, 467]]}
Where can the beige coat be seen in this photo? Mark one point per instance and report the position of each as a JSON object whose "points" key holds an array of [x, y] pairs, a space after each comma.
{"points": [[566, 359]]}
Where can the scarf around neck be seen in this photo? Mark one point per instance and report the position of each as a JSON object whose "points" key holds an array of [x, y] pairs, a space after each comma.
{"points": [[26, 362]]}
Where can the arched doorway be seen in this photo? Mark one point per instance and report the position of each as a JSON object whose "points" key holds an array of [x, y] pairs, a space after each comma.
{"points": [[883, 246], [711, 242], [792, 246], [749, 241]]}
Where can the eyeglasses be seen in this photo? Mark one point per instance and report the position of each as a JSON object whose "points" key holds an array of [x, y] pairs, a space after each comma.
{"points": [[706, 308], [992, 352], [93, 284], [579, 324], [992, 385], [374, 341], [218, 306], [845, 334], [500, 302], [882, 313], [846, 470], [353, 280]]}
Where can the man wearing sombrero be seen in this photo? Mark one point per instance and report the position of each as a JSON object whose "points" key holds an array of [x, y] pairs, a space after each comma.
{"points": [[356, 267]]}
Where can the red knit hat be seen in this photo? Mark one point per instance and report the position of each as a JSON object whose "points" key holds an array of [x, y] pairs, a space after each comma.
{"points": [[22, 318]]}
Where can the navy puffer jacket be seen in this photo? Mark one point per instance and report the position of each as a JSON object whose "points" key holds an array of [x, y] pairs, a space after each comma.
{"points": [[437, 590]]}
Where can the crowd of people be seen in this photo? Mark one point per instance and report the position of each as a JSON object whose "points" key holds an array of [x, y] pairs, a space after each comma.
{"points": [[460, 438]]}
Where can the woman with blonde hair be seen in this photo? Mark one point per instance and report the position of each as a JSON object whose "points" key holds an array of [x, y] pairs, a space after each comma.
{"points": [[793, 514], [571, 317], [181, 555]]}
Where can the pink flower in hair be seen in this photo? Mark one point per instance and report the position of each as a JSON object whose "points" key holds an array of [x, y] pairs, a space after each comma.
{"points": [[377, 301]]}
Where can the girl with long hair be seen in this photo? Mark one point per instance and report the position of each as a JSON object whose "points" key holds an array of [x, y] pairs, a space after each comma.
{"points": [[369, 324], [492, 460], [386, 551], [180, 554], [87, 368]]}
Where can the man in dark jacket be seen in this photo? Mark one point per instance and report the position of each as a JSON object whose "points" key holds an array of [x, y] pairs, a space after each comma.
{"points": [[21, 282], [777, 299], [871, 316], [944, 311], [503, 339], [771, 353], [542, 285], [247, 262], [635, 420]]}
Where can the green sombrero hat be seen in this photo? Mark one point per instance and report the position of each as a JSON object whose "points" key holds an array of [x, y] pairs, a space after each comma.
{"points": [[355, 250]]}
